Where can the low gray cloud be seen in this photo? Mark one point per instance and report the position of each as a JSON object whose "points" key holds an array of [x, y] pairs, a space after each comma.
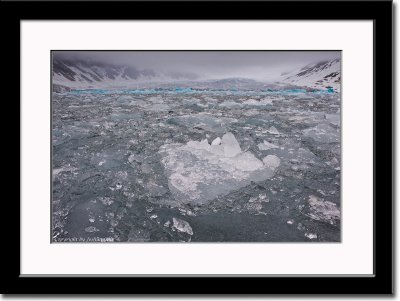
{"points": [[208, 64]]}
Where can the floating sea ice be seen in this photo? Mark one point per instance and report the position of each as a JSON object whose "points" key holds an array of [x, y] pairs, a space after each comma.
{"points": [[253, 199], [333, 119], [311, 235], [56, 171], [323, 133], [300, 227], [155, 190], [272, 161], [231, 145], [253, 102], [91, 229], [182, 226], [198, 172], [334, 161], [135, 158], [321, 210], [263, 197], [216, 141], [230, 104], [199, 145], [204, 144], [254, 207], [273, 130], [266, 146], [217, 149], [106, 201], [205, 121], [155, 99], [267, 101], [158, 107], [247, 162]]}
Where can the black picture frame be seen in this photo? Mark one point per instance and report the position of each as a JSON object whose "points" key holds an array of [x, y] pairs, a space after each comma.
{"points": [[381, 282]]}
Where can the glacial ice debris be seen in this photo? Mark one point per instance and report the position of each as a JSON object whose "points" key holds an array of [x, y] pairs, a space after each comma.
{"points": [[199, 145], [181, 226], [205, 121], [91, 229], [246, 161], [273, 130], [321, 210], [216, 141], [231, 145], [266, 146], [157, 107], [323, 133], [66, 168], [333, 119], [272, 161], [254, 102], [217, 149], [198, 172], [311, 235], [230, 104], [106, 200]]}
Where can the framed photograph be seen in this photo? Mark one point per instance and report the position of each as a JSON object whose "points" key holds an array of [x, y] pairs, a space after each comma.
{"points": [[174, 142]]}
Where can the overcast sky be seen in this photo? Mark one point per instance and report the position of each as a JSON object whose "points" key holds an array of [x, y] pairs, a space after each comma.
{"points": [[209, 64]]}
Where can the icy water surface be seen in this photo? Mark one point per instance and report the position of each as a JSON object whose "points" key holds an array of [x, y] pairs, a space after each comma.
{"points": [[199, 166]]}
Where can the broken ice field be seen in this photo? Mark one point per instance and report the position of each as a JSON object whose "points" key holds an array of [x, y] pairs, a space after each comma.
{"points": [[196, 166]]}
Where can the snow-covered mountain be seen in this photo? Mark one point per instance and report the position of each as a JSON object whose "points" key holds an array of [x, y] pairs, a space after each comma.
{"points": [[85, 74], [82, 74], [322, 75], [78, 74]]}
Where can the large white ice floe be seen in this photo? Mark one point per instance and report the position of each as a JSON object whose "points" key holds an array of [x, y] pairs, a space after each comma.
{"points": [[198, 172], [231, 145]]}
